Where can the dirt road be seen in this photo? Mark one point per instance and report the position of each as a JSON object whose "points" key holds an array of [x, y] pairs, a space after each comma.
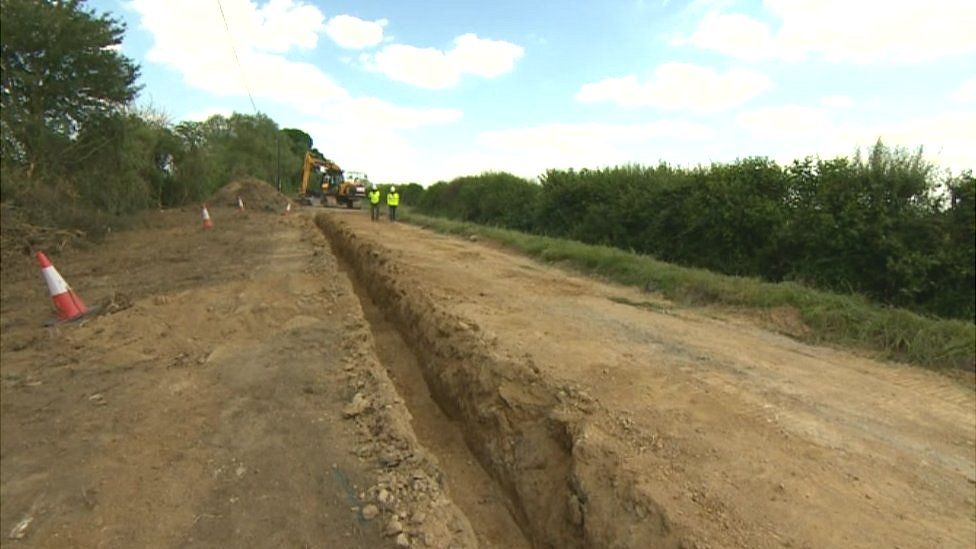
{"points": [[264, 385], [207, 408], [613, 417]]}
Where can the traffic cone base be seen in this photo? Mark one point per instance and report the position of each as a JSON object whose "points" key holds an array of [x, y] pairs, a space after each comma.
{"points": [[207, 222], [66, 301]]}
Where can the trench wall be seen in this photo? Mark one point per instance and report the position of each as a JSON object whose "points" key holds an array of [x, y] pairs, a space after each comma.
{"points": [[565, 483]]}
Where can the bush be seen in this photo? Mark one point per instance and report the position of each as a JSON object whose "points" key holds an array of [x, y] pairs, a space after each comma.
{"points": [[491, 198], [873, 225]]}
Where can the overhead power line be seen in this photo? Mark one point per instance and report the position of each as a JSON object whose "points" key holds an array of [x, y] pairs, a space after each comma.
{"points": [[240, 67]]}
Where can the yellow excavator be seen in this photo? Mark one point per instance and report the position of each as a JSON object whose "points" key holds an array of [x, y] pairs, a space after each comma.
{"points": [[324, 180]]}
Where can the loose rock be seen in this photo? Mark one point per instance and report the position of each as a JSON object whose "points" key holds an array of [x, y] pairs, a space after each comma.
{"points": [[370, 512], [394, 527], [358, 405]]}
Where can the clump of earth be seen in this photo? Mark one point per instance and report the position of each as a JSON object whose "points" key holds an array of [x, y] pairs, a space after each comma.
{"points": [[256, 194]]}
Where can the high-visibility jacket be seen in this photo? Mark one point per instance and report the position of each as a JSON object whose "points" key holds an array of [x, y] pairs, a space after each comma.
{"points": [[392, 199], [374, 196]]}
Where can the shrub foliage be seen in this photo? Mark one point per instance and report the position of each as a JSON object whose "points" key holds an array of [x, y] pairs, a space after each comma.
{"points": [[885, 225]]}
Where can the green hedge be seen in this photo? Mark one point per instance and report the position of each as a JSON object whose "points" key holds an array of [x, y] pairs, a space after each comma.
{"points": [[848, 320], [886, 226]]}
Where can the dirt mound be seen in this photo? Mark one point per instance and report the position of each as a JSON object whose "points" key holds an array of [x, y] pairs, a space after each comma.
{"points": [[256, 194]]}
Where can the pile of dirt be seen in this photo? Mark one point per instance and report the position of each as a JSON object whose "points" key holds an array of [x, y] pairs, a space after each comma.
{"points": [[256, 194]]}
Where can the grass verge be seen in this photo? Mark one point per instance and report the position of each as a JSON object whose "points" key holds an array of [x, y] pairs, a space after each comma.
{"points": [[844, 320]]}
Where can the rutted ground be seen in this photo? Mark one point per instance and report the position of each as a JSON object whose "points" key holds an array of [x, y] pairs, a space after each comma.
{"points": [[614, 418], [231, 397]]}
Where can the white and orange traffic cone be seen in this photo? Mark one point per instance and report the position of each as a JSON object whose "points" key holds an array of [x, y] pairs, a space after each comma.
{"points": [[240, 204], [66, 301], [207, 222], [287, 209]]}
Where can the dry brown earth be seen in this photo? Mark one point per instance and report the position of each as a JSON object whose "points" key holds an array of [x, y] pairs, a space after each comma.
{"points": [[211, 405], [264, 385], [615, 418]]}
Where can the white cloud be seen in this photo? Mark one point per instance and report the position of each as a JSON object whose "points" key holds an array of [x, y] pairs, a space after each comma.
{"points": [[786, 121], [385, 155], [437, 69], [965, 93], [947, 138], [679, 86], [423, 67], [789, 132], [837, 101], [189, 37], [733, 34], [532, 150], [483, 57], [354, 33], [376, 114], [202, 115], [526, 151], [843, 31], [360, 132]]}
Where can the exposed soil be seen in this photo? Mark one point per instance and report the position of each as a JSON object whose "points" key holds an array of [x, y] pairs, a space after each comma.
{"points": [[612, 417], [256, 194], [263, 384], [212, 405]]}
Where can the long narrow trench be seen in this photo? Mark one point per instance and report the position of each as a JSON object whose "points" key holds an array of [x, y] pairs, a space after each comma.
{"points": [[467, 483]]}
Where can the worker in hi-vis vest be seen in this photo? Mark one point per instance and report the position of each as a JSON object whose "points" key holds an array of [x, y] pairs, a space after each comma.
{"points": [[392, 201], [374, 204]]}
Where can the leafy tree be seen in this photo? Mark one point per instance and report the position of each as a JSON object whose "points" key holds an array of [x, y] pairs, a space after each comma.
{"points": [[297, 139], [242, 145], [495, 198], [410, 193], [60, 70], [956, 268], [294, 143]]}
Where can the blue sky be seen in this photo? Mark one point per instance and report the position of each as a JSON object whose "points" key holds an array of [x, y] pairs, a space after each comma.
{"points": [[424, 91]]}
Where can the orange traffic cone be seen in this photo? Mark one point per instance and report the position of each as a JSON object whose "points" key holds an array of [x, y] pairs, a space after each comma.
{"points": [[240, 204], [207, 222], [67, 302]]}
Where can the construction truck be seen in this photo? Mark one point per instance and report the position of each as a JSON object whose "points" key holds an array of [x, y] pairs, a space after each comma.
{"points": [[325, 181]]}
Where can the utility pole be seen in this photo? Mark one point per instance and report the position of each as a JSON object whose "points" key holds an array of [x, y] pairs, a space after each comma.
{"points": [[278, 160]]}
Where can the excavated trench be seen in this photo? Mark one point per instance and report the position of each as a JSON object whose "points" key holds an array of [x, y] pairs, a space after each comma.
{"points": [[551, 471], [467, 483]]}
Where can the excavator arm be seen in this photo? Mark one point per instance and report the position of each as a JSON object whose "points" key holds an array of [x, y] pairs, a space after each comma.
{"points": [[307, 167]]}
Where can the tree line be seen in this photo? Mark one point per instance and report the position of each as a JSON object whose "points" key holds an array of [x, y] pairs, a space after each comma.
{"points": [[76, 152], [885, 224]]}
